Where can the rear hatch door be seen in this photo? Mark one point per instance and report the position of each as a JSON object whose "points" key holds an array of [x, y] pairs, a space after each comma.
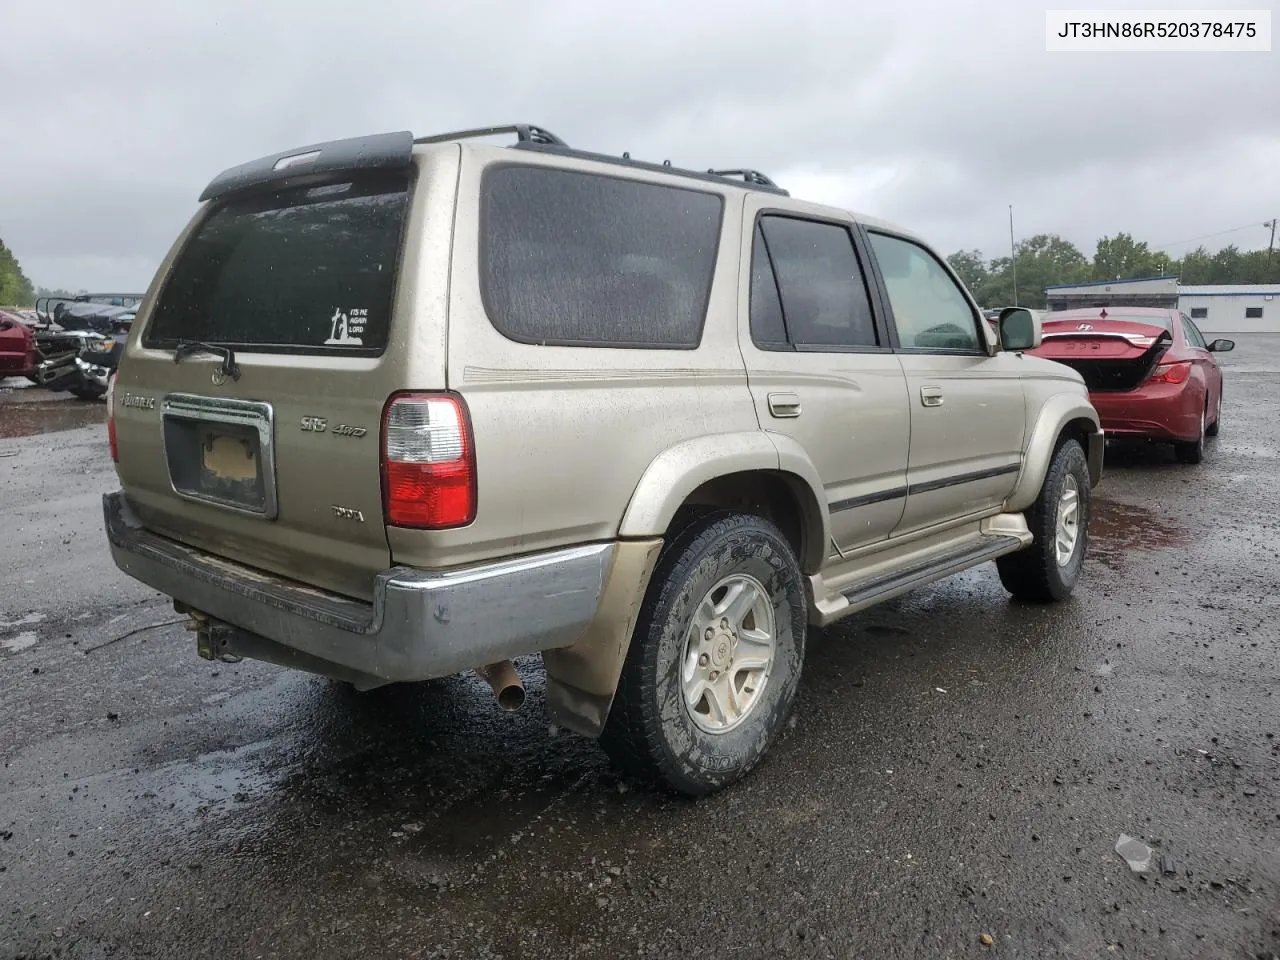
{"points": [[1111, 355], [249, 401]]}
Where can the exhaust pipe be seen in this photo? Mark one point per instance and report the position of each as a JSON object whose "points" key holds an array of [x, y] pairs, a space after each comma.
{"points": [[505, 683]]}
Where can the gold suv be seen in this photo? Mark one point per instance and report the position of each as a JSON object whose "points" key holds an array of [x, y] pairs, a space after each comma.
{"points": [[395, 408]]}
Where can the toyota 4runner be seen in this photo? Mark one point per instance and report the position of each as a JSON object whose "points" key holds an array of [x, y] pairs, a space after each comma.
{"points": [[398, 408]]}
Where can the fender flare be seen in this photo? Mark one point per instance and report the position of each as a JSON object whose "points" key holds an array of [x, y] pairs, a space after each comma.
{"points": [[1057, 412], [681, 469]]}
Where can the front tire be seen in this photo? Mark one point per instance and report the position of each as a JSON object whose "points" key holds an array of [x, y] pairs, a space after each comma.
{"points": [[1047, 570], [715, 658]]}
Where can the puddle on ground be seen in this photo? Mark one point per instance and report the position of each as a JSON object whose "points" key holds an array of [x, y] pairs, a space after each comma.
{"points": [[20, 642], [1117, 528], [23, 621], [32, 419]]}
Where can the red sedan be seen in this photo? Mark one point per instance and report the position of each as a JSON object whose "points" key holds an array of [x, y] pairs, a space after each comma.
{"points": [[17, 347], [1150, 372]]}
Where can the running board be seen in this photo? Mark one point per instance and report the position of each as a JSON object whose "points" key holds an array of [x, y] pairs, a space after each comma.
{"points": [[859, 596]]}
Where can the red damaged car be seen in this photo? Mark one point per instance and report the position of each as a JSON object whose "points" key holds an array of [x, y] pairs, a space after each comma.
{"points": [[1150, 372], [17, 347]]}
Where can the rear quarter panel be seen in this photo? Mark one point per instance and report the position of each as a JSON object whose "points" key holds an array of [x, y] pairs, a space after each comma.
{"points": [[564, 434]]}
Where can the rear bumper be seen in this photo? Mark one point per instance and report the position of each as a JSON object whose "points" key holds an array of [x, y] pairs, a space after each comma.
{"points": [[1165, 412], [420, 625]]}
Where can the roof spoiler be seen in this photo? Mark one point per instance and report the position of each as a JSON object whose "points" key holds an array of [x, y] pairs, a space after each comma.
{"points": [[315, 163]]}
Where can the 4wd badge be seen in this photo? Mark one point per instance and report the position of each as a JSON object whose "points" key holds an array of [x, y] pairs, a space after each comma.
{"points": [[321, 425]]}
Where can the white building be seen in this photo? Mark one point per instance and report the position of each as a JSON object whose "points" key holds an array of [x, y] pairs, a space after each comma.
{"points": [[1232, 307], [1138, 292], [1219, 308]]}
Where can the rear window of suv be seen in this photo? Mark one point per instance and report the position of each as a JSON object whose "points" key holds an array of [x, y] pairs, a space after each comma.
{"points": [[580, 259], [304, 270]]}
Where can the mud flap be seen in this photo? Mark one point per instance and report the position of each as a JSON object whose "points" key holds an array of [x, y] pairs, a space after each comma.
{"points": [[582, 678]]}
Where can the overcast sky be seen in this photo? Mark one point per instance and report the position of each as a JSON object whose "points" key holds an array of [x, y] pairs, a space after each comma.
{"points": [[936, 115]]}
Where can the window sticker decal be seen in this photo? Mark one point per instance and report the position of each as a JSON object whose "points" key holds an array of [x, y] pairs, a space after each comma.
{"points": [[347, 329]]}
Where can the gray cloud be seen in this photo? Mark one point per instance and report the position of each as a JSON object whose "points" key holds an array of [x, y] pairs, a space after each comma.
{"points": [[933, 114]]}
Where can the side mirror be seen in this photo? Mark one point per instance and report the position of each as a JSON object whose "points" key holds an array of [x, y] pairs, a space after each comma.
{"points": [[1222, 346], [1019, 329]]}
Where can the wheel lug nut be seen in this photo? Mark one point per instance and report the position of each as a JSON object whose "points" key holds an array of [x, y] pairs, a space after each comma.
{"points": [[714, 674], [724, 624], [703, 660], [710, 634]]}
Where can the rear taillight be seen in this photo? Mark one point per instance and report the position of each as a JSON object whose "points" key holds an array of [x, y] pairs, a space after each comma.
{"points": [[1172, 372], [111, 419], [428, 462]]}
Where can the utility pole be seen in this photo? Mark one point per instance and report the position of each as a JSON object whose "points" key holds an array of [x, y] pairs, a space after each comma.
{"points": [[1270, 246], [1013, 255]]}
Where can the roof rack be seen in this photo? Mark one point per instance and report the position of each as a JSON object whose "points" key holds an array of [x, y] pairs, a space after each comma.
{"points": [[393, 151], [531, 136], [525, 133], [753, 177]]}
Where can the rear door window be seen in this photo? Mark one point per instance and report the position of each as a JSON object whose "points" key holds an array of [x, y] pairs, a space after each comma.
{"points": [[579, 259], [824, 299], [304, 270], [768, 328]]}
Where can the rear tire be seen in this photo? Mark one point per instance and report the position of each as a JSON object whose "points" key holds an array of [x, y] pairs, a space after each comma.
{"points": [[1213, 428], [1048, 569], [715, 657], [1191, 451]]}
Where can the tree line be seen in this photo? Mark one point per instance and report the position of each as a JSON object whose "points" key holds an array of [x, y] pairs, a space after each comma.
{"points": [[1046, 260], [15, 289]]}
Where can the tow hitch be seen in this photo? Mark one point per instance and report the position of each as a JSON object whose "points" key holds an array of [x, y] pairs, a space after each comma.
{"points": [[213, 639]]}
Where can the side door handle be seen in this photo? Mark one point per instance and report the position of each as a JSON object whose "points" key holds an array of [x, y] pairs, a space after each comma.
{"points": [[784, 404], [931, 396]]}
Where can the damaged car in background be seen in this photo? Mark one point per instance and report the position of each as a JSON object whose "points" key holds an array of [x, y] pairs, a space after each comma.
{"points": [[77, 341], [17, 345], [1150, 372]]}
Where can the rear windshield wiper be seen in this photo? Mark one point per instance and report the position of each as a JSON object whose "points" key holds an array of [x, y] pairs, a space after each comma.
{"points": [[189, 347]]}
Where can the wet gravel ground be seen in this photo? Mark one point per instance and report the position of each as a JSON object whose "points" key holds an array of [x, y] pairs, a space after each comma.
{"points": [[959, 767]]}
